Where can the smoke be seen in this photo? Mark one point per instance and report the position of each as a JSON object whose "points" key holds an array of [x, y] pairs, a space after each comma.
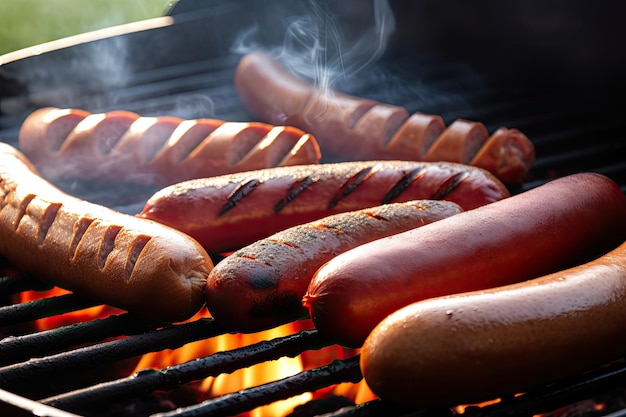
{"points": [[329, 42]]}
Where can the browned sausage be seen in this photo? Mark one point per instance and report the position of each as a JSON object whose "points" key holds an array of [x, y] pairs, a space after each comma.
{"points": [[118, 259], [353, 128], [522, 237], [471, 347], [228, 212], [260, 286], [121, 146]]}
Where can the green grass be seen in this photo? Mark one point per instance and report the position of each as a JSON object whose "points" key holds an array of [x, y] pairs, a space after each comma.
{"points": [[25, 23]]}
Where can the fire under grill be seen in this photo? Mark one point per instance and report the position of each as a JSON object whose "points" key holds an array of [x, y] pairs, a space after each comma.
{"points": [[182, 65]]}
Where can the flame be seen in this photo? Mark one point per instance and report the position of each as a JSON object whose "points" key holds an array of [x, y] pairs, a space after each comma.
{"points": [[460, 409], [261, 373], [64, 319], [212, 387]]}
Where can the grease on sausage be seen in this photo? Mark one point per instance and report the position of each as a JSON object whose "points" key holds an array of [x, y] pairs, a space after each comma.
{"points": [[477, 346]]}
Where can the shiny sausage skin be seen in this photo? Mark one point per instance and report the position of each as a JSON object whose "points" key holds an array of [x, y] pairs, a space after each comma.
{"points": [[353, 128], [522, 237], [118, 259], [228, 212], [476, 346], [260, 286], [121, 146]]}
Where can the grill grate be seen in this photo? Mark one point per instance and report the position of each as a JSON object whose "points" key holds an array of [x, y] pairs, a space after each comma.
{"points": [[81, 367]]}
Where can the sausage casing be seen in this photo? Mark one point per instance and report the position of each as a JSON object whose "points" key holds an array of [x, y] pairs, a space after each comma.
{"points": [[552, 226], [118, 259], [477, 346], [260, 286], [352, 128], [122, 146], [228, 212]]}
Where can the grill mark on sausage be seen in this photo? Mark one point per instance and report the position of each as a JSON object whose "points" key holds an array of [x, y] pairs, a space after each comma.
{"points": [[238, 194], [254, 258], [281, 304], [47, 219], [21, 209], [352, 184], [136, 247], [80, 227], [283, 242], [404, 183], [294, 191], [108, 244], [449, 185], [189, 142], [374, 216], [263, 279], [394, 123], [358, 114], [332, 228]]}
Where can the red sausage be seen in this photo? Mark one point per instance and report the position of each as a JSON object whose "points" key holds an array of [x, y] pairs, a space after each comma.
{"points": [[353, 128], [525, 236], [115, 258], [260, 286], [472, 347], [228, 212], [121, 146]]}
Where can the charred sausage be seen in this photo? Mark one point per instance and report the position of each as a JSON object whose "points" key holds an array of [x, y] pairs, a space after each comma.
{"points": [[352, 128], [228, 212], [127, 262], [471, 347], [522, 237], [260, 286], [121, 146]]}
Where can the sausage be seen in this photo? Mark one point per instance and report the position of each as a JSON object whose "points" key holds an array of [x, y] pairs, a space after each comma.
{"points": [[260, 286], [228, 212], [519, 238], [121, 146], [118, 259], [353, 128], [471, 347]]}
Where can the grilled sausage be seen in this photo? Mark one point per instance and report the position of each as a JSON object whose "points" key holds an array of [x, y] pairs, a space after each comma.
{"points": [[471, 347], [228, 212], [121, 146], [357, 129], [522, 237], [260, 286], [130, 263]]}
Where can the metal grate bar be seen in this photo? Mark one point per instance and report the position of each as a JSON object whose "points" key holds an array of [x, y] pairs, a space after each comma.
{"points": [[171, 337], [247, 399], [15, 349], [557, 395], [176, 375], [32, 310]]}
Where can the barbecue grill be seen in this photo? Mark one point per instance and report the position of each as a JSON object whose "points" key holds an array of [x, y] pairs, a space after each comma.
{"points": [[482, 64]]}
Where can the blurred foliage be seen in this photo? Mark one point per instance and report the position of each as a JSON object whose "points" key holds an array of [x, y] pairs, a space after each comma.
{"points": [[25, 23]]}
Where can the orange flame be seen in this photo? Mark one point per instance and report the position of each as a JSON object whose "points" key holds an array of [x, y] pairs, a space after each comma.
{"points": [[64, 319], [212, 387]]}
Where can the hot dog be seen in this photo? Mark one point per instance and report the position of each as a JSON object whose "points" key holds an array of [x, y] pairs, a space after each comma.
{"points": [[123, 146], [118, 259], [471, 347], [228, 212], [522, 237], [260, 286], [357, 129]]}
